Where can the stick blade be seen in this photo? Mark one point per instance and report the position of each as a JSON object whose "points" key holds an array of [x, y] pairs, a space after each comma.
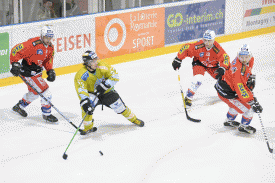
{"points": [[191, 119], [65, 156]]}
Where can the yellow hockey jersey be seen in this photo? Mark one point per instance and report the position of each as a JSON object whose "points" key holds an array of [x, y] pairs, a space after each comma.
{"points": [[86, 82]]}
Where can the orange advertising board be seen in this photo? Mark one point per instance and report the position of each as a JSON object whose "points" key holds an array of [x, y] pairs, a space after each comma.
{"points": [[129, 32]]}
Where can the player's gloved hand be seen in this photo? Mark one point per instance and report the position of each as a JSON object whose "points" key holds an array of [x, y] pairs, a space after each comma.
{"points": [[15, 70], [220, 72], [257, 108], [87, 106], [251, 82], [102, 87], [176, 63], [51, 75]]}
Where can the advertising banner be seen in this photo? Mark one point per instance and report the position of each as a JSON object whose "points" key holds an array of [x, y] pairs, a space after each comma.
{"points": [[131, 32], [187, 22], [72, 37], [258, 14], [4, 53]]}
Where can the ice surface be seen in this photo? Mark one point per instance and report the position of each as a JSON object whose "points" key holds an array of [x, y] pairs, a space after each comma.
{"points": [[169, 148]]}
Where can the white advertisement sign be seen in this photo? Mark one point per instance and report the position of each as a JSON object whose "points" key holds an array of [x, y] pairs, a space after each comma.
{"points": [[258, 14], [72, 37]]}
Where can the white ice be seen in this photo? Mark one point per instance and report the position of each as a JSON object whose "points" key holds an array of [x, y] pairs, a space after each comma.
{"points": [[169, 148]]}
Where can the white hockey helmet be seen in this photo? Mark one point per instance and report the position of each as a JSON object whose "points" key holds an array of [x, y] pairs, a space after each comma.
{"points": [[209, 35], [47, 31], [244, 52]]}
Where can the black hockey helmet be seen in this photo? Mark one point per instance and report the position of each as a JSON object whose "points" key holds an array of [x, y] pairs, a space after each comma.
{"points": [[88, 56]]}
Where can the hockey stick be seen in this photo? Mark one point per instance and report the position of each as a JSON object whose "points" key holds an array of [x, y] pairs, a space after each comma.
{"points": [[265, 136], [65, 155], [182, 95], [48, 102]]}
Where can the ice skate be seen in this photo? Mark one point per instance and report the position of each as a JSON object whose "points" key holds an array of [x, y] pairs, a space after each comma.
{"points": [[247, 129], [20, 111], [188, 102], [139, 122], [231, 123], [50, 118], [88, 128], [85, 132]]}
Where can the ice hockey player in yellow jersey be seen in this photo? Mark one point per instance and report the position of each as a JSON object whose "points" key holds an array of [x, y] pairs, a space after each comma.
{"points": [[94, 84]]}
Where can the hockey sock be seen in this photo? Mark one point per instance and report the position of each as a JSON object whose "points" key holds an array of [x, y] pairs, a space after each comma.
{"points": [[129, 115], [246, 121], [46, 110], [23, 103], [231, 117], [192, 90], [88, 125]]}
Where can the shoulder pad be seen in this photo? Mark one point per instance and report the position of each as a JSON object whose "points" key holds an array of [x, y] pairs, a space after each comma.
{"points": [[215, 49], [37, 42], [199, 46], [103, 67], [85, 76]]}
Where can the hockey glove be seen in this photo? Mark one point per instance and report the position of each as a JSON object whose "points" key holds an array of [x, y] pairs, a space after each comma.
{"points": [[251, 82], [15, 70], [176, 63], [257, 108], [51, 75], [102, 87], [220, 72], [87, 106]]}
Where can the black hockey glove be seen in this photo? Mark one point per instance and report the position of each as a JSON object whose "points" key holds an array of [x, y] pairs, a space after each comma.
{"points": [[87, 106], [176, 63], [51, 75], [102, 87], [257, 108], [251, 82], [15, 70], [220, 72]]}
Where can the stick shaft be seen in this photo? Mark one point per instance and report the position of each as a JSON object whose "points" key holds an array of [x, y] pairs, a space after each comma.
{"points": [[41, 95]]}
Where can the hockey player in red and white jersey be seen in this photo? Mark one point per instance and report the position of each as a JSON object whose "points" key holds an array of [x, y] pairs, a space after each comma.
{"points": [[36, 53], [235, 89], [208, 56]]}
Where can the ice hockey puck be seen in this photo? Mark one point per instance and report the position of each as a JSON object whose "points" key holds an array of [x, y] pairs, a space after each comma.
{"points": [[101, 153]]}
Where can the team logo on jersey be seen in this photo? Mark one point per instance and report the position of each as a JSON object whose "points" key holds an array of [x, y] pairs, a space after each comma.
{"points": [[85, 76], [208, 54], [226, 59], [243, 70], [17, 49], [201, 54], [183, 48], [39, 52], [242, 90]]}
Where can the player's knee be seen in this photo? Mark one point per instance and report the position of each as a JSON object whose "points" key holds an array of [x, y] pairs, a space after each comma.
{"points": [[118, 106]]}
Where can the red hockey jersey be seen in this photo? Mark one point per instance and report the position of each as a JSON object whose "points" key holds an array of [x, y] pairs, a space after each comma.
{"points": [[214, 57], [236, 77], [34, 52]]}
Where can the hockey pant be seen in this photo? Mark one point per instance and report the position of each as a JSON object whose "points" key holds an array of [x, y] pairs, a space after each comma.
{"points": [[237, 106], [111, 100], [42, 87]]}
